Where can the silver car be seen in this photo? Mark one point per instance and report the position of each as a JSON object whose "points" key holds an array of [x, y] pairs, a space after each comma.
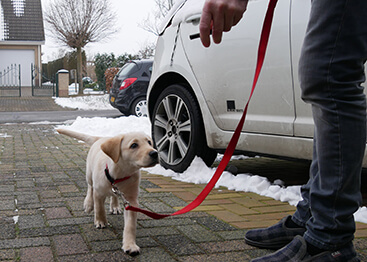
{"points": [[196, 95]]}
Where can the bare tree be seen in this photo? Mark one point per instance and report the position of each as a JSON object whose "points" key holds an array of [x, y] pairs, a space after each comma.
{"points": [[147, 51], [79, 22], [151, 24]]}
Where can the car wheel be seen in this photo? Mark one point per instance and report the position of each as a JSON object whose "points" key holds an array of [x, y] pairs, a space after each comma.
{"points": [[178, 130], [139, 107]]}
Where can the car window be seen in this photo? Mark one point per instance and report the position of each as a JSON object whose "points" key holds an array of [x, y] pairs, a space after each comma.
{"points": [[128, 69], [148, 70]]}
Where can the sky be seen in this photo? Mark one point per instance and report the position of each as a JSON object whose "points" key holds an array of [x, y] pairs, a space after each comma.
{"points": [[101, 126], [130, 39]]}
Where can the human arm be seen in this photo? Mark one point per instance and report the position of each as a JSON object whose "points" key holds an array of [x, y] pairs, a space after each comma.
{"points": [[219, 16]]}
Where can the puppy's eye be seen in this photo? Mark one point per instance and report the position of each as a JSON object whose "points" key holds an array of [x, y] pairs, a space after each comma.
{"points": [[134, 145], [149, 142]]}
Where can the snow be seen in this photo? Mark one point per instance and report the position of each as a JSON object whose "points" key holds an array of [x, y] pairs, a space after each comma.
{"points": [[92, 102], [4, 135]]}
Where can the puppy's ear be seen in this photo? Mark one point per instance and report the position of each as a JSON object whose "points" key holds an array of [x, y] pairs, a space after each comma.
{"points": [[112, 147]]}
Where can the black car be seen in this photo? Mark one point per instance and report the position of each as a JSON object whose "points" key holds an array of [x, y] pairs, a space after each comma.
{"points": [[129, 87]]}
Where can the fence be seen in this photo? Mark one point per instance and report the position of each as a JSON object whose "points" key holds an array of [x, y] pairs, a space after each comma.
{"points": [[47, 86], [10, 81]]}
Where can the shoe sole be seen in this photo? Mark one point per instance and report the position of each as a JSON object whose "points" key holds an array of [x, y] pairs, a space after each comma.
{"points": [[274, 245]]}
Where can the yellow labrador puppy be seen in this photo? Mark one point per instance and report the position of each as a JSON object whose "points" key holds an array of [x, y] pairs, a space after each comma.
{"points": [[116, 161]]}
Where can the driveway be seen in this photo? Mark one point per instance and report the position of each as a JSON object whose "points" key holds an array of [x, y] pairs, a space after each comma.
{"points": [[36, 109], [42, 188]]}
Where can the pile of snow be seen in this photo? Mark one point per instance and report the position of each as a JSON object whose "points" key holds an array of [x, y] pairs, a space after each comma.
{"points": [[101, 126], [92, 102]]}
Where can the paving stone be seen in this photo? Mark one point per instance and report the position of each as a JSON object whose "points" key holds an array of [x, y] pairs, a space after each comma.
{"points": [[26, 183], [147, 184], [197, 233], [107, 245], [6, 188], [167, 222], [159, 207], [144, 242], [214, 224], [31, 221], [48, 231], [57, 212], [7, 254], [92, 233], [98, 257], [179, 245], [159, 231], [7, 204], [173, 201], [239, 209], [226, 216], [24, 242], [228, 257], [70, 221], [7, 230], [155, 255], [70, 244], [232, 235], [28, 198], [225, 246], [36, 254]]}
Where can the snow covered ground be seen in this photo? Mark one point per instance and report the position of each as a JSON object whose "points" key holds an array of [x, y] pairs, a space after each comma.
{"points": [[90, 102], [242, 182]]}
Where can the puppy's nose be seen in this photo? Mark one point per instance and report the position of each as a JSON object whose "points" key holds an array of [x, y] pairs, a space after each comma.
{"points": [[153, 154]]}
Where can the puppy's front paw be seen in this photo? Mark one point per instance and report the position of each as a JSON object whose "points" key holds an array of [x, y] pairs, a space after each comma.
{"points": [[132, 249], [88, 209], [100, 224], [115, 211], [88, 206]]}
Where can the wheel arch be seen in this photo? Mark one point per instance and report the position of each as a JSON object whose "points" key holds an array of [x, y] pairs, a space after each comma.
{"points": [[162, 83]]}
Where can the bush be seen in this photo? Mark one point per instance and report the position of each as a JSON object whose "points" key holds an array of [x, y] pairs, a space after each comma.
{"points": [[94, 86], [109, 75], [104, 61]]}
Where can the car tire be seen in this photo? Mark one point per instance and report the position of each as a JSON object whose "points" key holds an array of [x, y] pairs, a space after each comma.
{"points": [[178, 130], [139, 107]]}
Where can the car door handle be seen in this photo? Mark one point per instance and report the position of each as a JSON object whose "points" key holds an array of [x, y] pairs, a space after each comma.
{"points": [[197, 35], [195, 20]]}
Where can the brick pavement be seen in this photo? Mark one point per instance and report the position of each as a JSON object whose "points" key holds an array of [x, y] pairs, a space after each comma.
{"points": [[28, 103], [42, 188]]}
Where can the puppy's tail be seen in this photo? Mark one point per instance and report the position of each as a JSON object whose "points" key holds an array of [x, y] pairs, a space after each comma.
{"points": [[90, 140]]}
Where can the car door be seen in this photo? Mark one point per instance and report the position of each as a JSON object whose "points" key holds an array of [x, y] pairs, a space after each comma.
{"points": [[300, 12], [225, 72]]}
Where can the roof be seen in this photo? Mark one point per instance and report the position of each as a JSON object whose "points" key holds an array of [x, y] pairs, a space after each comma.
{"points": [[21, 20]]}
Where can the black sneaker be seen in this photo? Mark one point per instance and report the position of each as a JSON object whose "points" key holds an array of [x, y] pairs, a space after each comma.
{"points": [[274, 237], [296, 251]]}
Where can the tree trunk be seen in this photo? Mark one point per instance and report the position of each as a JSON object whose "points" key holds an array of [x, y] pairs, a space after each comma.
{"points": [[79, 69]]}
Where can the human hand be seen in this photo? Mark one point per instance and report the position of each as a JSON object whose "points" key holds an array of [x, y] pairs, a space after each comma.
{"points": [[219, 16]]}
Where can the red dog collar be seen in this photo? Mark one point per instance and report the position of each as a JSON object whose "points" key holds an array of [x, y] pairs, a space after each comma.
{"points": [[114, 181]]}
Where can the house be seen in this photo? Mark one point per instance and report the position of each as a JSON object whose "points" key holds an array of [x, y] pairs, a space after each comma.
{"points": [[21, 37]]}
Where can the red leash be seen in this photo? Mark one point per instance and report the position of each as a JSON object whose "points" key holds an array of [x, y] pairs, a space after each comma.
{"points": [[232, 144]]}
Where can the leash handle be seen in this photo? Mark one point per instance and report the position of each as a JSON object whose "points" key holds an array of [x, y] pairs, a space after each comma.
{"points": [[265, 33]]}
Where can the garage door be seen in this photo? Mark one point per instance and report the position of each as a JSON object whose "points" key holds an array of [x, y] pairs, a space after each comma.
{"points": [[23, 57]]}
